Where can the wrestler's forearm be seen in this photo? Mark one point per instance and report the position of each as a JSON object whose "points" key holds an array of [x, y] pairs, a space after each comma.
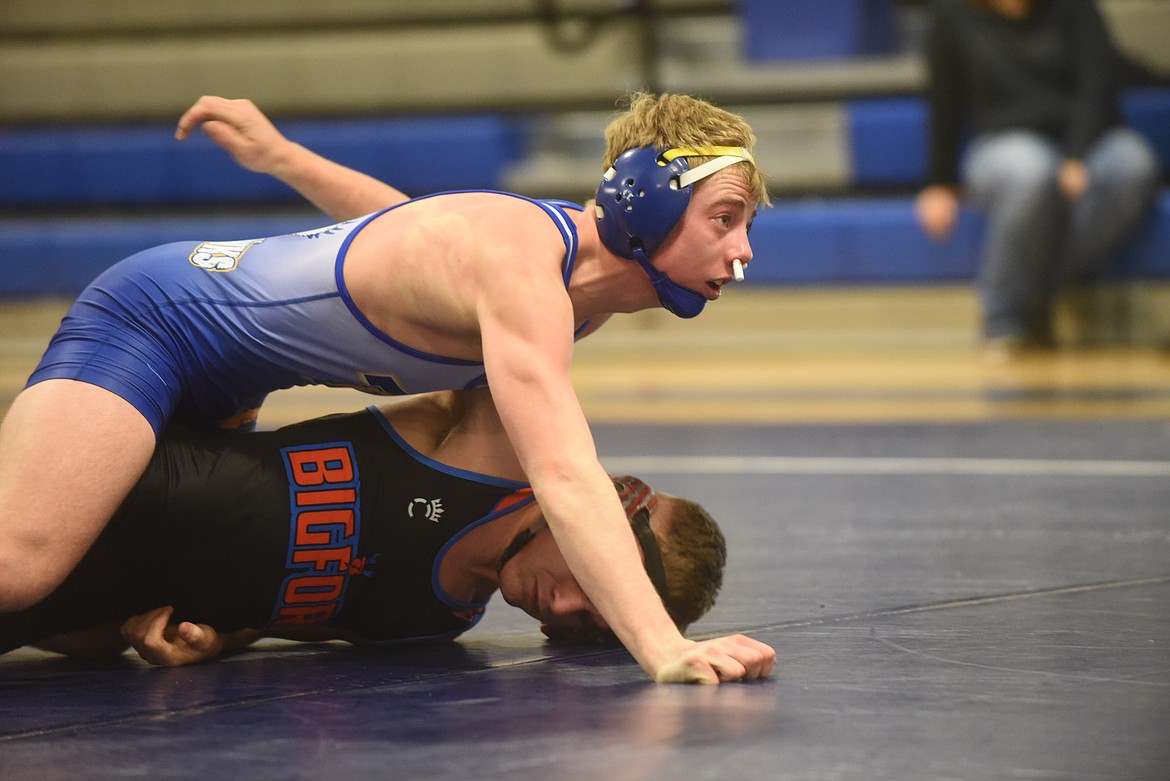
{"points": [[234, 642], [547, 428], [603, 556], [340, 192], [244, 132], [98, 642]]}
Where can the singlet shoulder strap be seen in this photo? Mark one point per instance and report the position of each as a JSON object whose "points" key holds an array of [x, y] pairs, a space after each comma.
{"points": [[554, 208]]}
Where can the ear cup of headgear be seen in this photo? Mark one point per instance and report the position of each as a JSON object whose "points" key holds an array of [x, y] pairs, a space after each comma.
{"points": [[640, 201]]}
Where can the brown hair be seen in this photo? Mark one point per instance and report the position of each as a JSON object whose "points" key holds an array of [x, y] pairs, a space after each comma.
{"points": [[670, 120], [693, 556], [694, 553]]}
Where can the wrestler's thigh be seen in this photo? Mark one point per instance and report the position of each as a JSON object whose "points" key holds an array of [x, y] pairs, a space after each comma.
{"points": [[69, 454]]}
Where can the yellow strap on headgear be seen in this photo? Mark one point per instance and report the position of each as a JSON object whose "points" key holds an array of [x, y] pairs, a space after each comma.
{"points": [[708, 151]]}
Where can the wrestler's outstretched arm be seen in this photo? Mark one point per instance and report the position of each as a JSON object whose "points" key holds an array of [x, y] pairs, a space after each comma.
{"points": [[255, 144], [526, 323], [95, 643]]}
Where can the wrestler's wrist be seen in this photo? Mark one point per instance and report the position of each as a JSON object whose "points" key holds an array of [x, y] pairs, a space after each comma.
{"points": [[286, 160], [658, 652]]}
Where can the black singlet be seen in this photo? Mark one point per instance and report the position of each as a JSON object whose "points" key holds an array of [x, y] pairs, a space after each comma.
{"points": [[332, 522]]}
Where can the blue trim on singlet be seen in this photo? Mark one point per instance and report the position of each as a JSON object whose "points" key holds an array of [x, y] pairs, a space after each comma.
{"points": [[554, 209], [436, 583], [572, 243], [501, 482]]}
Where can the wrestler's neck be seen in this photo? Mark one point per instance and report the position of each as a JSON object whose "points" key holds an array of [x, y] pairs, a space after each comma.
{"points": [[468, 571], [603, 283], [460, 429]]}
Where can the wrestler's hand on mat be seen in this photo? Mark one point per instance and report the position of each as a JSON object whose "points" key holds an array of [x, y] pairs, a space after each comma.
{"points": [[239, 127], [732, 658], [161, 642]]}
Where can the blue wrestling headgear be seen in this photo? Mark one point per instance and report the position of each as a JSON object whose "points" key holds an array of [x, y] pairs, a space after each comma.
{"points": [[640, 201]]}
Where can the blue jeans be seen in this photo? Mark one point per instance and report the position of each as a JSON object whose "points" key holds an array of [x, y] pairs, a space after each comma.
{"points": [[1036, 240]]}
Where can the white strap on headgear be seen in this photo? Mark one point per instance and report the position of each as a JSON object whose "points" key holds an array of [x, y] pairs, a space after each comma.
{"points": [[727, 156]]}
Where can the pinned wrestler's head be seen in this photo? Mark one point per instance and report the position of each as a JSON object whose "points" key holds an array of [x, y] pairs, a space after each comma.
{"points": [[683, 550]]}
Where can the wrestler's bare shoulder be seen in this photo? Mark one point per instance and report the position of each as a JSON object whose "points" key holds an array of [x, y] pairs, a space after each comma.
{"points": [[420, 270], [485, 213], [448, 237]]}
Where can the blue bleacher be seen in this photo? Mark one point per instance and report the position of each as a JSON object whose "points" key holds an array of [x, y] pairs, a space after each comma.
{"points": [[143, 164], [877, 241], [813, 242], [800, 241], [60, 256], [887, 136], [827, 29], [857, 240]]}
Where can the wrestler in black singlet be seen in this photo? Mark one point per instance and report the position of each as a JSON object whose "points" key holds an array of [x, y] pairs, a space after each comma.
{"points": [[331, 522]]}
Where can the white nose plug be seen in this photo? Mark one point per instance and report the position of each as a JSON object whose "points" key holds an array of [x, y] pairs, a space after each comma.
{"points": [[737, 270]]}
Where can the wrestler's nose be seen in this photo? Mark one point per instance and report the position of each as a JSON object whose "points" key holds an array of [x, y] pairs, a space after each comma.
{"points": [[567, 601]]}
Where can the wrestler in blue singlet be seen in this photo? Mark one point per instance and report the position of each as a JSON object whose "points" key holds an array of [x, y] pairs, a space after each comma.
{"points": [[202, 332]]}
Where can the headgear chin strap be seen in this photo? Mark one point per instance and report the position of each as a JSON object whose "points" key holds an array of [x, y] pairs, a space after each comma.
{"points": [[641, 199], [676, 299]]}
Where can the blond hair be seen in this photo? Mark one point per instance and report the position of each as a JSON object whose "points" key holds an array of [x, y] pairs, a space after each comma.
{"points": [[670, 120]]}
